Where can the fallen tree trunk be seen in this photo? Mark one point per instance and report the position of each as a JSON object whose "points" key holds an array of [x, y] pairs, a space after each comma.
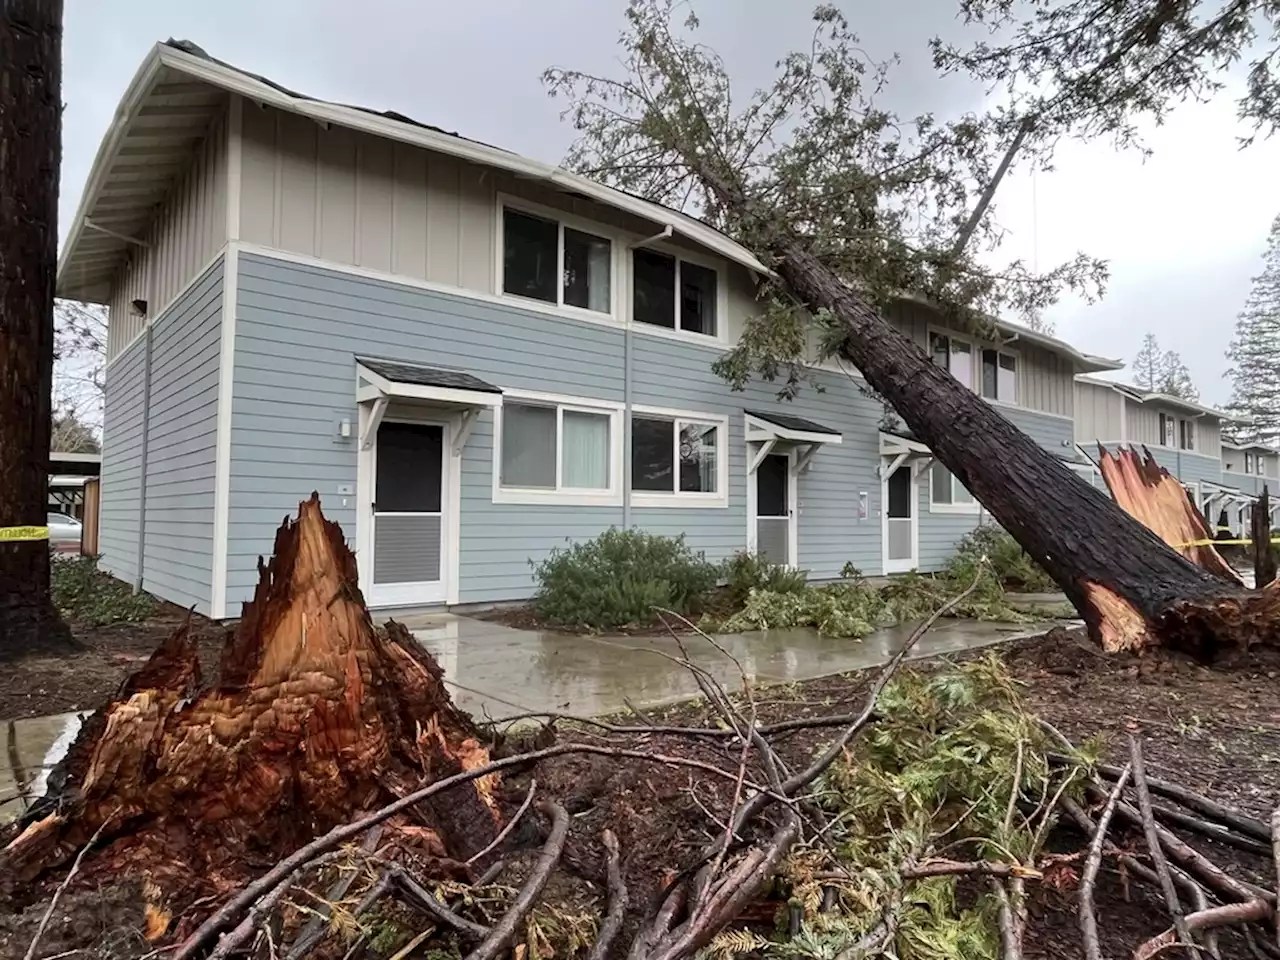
{"points": [[314, 719], [1130, 588]]}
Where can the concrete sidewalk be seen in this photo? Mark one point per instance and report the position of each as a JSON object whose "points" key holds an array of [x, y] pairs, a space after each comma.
{"points": [[495, 670]]}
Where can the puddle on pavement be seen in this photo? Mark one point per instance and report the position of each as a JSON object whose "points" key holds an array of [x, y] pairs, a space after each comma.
{"points": [[32, 748]]}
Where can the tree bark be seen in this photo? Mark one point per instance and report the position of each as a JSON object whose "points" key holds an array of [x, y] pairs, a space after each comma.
{"points": [[314, 719], [30, 112], [1264, 555], [1129, 587]]}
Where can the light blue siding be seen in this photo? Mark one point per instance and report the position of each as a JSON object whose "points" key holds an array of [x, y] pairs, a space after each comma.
{"points": [[677, 374], [181, 444], [300, 327], [122, 463], [1055, 434], [298, 332]]}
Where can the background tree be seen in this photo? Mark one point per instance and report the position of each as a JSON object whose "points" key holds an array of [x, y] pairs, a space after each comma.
{"points": [[80, 359], [1255, 354], [71, 434], [1147, 365], [1175, 379], [30, 113], [850, 206]]}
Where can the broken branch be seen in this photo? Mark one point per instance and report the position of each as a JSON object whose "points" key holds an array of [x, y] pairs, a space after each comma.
{"points": [[617, 899], [1153, 842], [1089, 919], [505, 929]]}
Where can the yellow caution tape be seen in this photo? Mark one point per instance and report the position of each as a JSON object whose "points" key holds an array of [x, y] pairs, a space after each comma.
{"points": [[24, 533], [1217, 543]]}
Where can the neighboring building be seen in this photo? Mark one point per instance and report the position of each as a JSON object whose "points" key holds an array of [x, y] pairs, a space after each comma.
{"points": [[1248, 469], [472, 356], [1185, 438]]}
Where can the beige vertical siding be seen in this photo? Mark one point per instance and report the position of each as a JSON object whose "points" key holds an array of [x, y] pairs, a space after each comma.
{"points": [[1098, 413], [1045, 380], [365, 201], [1143, 422], [190, 227], [1208, 436]]}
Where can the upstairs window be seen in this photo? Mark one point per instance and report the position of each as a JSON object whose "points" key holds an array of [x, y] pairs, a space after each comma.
{"points": [[999, 376], [544, 260], [1168, 430], [677, 456], [1187, 434], [1248, 463], [954, 355], [674, 293]]}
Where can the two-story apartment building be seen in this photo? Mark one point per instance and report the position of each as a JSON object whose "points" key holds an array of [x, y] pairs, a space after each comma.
{"points": [[473, 357], [1185, 438]]}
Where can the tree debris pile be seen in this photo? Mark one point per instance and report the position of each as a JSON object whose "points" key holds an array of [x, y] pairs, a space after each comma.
{"points": [[313, 719]]}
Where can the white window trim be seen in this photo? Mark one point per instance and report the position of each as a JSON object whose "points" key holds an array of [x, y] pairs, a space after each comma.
{"points": [[571, 496], [977, 346], [721, 335], [677, 498], [617, 242], [966, 509], [1017, 374]]}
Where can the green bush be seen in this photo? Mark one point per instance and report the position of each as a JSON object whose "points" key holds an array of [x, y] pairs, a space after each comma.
{"points": [[744, 572], [1010, 563], [618, 579], [84, 594]]}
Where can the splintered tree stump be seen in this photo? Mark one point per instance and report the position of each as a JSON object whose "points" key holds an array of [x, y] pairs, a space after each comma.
{"points": [[315, 718], [1200, 622], [1264, 555]]}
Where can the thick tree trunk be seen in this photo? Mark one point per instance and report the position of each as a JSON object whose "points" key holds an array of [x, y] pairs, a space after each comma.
{"points": [[1264, 555], [30, 109], [314, 718], [1130, 588]]}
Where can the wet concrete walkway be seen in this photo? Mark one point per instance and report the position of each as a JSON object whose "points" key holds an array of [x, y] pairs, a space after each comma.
{"points": [[495, 671]]}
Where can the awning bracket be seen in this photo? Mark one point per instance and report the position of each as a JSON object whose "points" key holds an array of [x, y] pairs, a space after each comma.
{"points": [[375, 420], [765, 449], [469, 418]]}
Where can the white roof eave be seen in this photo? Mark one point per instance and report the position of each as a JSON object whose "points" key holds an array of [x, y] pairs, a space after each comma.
{"points": [[244, 85]]}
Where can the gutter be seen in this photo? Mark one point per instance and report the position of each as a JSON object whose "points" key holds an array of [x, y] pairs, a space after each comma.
{"points": [[627, 335]]}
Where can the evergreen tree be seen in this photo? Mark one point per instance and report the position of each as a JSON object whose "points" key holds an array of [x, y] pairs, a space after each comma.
{"points": [[1175, 378], [1255, 353], [1148, 365]]}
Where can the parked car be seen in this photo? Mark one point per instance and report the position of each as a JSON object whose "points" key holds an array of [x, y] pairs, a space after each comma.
{"points": [[64, 533]]}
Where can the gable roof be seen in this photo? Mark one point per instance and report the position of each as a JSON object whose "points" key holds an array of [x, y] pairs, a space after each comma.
{"points": [[1138, 395], [163, 115]]}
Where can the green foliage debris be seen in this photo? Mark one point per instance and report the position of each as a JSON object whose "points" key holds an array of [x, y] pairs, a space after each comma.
{"points": [[86, 595]]}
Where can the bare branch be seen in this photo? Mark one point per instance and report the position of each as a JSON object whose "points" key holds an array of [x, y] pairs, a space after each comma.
{"points": [[1088, 919]]}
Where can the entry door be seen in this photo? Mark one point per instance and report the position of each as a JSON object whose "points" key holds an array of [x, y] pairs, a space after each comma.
{"points": [[408, 519], [901, 543], [773, 510]]}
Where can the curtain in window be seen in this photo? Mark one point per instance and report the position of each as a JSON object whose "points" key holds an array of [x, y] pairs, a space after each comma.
{"points": [[941, 481], [962, 362], [599, 259], [1007, 379], [584, 456], [528, 446]]}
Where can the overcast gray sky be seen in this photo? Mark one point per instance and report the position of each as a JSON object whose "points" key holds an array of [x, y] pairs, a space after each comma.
{"points": [[1184, 230]]}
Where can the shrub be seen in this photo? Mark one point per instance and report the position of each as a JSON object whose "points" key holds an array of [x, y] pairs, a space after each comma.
{"points": [[835, 610], [619, 577], [1010, 563], [84, 594], [744, 572]]}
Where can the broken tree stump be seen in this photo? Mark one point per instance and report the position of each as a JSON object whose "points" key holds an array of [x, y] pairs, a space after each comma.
{"points": [[1264, 555], [314, 718]]}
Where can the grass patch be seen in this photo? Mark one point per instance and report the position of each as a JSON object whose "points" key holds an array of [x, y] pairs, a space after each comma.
{"points": [[84, 594]]}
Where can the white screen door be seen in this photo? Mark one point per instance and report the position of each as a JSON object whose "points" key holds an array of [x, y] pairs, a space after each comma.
{"points": [[408, 519], [900, 541], [773, 510]]}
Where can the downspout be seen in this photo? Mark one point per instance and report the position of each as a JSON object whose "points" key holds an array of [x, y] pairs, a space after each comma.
{"points": [[628, 323], [146, 437]]}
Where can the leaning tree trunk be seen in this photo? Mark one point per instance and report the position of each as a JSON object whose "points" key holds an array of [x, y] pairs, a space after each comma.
{"points": [[1130, 588], [315, 717], [30, 108], [1264, 555]]}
